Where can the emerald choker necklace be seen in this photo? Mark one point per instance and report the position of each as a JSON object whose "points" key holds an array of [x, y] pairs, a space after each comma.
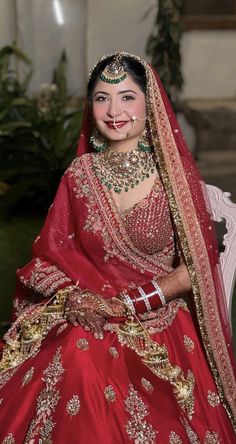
{"points": [[123, 170]]}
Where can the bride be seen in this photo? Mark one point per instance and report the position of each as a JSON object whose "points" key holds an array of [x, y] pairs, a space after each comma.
{"points": [[120, 332]]}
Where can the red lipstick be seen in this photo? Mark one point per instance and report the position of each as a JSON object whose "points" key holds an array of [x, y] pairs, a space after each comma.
{"points": [[113, 125]]}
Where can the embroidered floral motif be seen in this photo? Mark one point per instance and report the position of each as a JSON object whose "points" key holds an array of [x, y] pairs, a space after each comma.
{"points": [[62, 328], [212, 438], [45, 279], [212, 398], [147, 385], [83, 344], [9, 439], [73, 405], [189, 344], [114, 352], [42, 425], [138, 430], [192, 436], [109, 393], [28, 376], [174, 438]]}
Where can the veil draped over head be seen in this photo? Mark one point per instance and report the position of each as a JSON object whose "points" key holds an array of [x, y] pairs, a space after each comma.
{"points": [[188, 201]]}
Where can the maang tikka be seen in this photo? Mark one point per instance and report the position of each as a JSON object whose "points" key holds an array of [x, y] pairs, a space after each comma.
{"points": [[114, 72]]}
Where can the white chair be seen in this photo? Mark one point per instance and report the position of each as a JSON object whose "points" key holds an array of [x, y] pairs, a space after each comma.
{"points": [[224, 208]]}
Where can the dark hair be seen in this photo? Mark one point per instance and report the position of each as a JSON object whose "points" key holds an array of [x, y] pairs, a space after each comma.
{"points": [[132, 66]]}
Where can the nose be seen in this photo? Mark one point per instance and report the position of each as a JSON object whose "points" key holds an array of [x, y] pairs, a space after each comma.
{"points": [[113, 109]]}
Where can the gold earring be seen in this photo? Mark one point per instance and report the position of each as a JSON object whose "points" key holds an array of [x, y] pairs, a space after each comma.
{"points": [[144, 143], [98, 141]]}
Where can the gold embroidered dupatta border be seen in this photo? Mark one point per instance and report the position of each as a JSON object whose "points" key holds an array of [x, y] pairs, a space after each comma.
{"points": [[193, 245]]}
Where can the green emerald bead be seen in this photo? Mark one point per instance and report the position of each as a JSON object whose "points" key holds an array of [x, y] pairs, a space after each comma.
{"points": [[132, 185], [147, 175], [126, 189], [137, 182], [109, 186]]}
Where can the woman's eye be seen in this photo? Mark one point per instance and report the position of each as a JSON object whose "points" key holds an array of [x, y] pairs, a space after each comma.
{"points": [[128, 98], [100, 99]]}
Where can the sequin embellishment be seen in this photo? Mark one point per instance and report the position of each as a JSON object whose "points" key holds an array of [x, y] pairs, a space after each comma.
{"points": [[9, 439], [211, 438], [212, 398], [83, 344], [109, 393], [147, 385], [28, 376], [174, 438], [73, 405], [137, 428], [114, 352], [42, 424], [189, 344]]}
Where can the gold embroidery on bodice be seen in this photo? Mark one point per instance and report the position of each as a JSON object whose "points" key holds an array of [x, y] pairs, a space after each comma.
{"points": [[148, 223]]}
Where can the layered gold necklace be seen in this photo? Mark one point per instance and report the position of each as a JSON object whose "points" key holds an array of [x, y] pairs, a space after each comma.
{"points": [[123, 170]]}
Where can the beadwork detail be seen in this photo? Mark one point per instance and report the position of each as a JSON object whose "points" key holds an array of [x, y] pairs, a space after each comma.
{"points": [[45, 278], [212, 438], [137, 428], [174, 438], [73, 405], [213, 399], [43, 424], [114, 352], [189, 344], [109, 393], [192, 436], [147, 385], [83, 344], [9, 439], [28, 376]]}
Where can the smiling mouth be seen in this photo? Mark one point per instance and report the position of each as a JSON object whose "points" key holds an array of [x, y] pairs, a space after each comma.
{"points": [[118, 124]]}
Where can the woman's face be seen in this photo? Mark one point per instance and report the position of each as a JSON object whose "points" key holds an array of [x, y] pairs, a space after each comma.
{"points": [[119, 110]]}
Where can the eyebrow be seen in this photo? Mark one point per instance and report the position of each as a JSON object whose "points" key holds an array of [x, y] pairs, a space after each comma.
{"points": [[120, 92]]}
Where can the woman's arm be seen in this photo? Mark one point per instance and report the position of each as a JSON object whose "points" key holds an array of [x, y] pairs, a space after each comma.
{"points": [[156, 293], [175, 283]]}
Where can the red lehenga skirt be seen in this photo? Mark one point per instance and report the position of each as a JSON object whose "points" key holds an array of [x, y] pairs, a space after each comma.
{"points": [[80, 390]]}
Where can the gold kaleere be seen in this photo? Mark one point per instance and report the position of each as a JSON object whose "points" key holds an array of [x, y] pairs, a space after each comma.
{"points": [[155, 357], [31, 331]]}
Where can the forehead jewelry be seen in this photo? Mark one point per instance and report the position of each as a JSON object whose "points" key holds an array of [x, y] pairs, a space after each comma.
{"points": [[114, 72]]}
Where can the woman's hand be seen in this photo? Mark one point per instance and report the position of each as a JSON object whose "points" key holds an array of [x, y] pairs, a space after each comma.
{"points": [[91, 310]]}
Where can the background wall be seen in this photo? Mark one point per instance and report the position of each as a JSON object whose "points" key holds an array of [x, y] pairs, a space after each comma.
{"points": [[94, 27]]}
